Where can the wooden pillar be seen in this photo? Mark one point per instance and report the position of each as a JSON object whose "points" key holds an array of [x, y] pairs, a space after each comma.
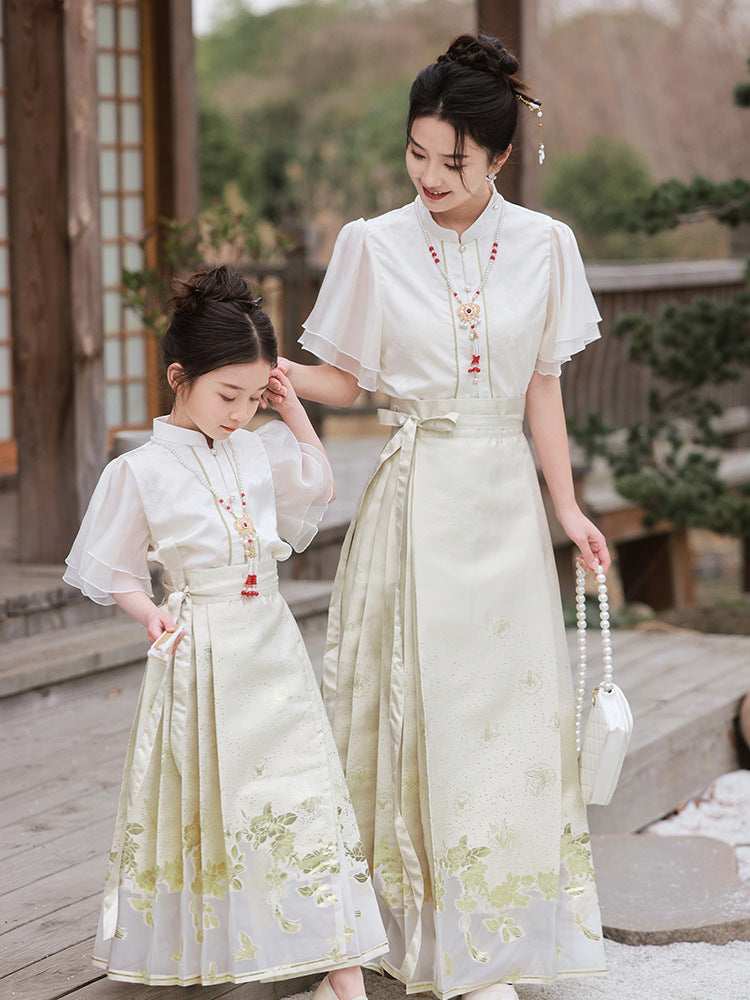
{"points": [[171, 130], [55, 267], [514, 23], [171, 106]]}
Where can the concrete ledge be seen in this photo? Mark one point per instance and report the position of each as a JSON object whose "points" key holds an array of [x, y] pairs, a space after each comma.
{"points": [[659, 890], [658, 274]]}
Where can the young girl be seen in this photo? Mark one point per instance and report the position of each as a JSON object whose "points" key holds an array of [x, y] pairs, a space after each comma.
{"points": [[236, 854], [446, 676]]}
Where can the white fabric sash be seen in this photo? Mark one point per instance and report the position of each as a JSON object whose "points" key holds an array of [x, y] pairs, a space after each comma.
{"points": [[408, 418]]}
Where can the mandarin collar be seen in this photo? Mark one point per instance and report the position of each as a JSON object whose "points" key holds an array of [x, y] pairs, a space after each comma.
{"points": [[484, 225], [164, 431]]}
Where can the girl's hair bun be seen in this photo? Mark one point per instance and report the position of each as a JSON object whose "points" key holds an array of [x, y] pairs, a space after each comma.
{"points": [[483, 53], [215, 321], [218, 284]]}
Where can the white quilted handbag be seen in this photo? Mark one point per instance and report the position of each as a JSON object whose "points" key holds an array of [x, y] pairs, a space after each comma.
{"points": [[601, 751]]}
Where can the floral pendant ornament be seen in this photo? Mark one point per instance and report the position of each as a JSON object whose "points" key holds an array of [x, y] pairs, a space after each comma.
{"points": [[469, 313], [245, 528]]}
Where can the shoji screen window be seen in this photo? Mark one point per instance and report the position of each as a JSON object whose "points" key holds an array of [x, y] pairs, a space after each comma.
{"points": [[121, 163]]}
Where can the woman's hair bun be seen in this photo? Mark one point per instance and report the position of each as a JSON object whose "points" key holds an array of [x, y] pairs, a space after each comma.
{"points": [[219, 284], [483, 53]]}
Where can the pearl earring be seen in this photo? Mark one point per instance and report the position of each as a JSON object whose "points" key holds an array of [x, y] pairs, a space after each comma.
{"points": [[491, 177]]}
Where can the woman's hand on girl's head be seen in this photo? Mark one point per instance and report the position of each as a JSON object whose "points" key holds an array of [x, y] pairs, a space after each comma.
{"points": [[278, 387], [588, 538], [280, 394], [282, 397]]}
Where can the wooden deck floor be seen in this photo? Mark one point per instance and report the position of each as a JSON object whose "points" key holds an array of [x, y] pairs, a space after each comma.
{"points": [[61, 754]]}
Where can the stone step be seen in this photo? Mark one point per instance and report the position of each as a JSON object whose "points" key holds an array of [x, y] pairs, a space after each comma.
{"points": [[72, 651], [660, 890], [34, 599]]}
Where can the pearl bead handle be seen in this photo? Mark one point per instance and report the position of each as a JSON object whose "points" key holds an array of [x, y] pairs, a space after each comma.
{"points": [[607, 674]]}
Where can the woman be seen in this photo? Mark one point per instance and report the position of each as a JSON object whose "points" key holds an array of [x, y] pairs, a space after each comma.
{"points": [[446, 676]]}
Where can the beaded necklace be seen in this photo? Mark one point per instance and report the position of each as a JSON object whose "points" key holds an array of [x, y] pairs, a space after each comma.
{"points": [[469, 312], [242, 522]]}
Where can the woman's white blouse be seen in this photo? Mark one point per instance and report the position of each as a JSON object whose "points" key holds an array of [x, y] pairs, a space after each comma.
{"points": [[154, 493], [386, 315]]}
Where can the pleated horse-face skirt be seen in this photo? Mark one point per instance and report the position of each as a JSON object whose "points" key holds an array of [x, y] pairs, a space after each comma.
{"points": [[448, 686], [236, 855]]}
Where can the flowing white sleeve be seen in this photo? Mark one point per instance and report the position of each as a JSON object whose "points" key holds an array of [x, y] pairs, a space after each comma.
{"points": [[302, 481], [572, 316], [110, 553], [344, 327]]}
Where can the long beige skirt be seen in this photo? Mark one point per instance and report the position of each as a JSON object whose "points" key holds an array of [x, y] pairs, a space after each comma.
{"points": [[236, 855], [448, 686]]}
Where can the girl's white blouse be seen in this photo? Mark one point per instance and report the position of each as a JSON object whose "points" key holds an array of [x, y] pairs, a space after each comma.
{"points": [[386, 314], [150, 494]]}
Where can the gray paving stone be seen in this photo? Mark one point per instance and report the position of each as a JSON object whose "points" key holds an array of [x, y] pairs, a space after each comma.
{"points": [[660, 890]]}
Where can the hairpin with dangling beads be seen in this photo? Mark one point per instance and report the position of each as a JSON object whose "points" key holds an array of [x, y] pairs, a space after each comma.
{"points": [[536, 106]]}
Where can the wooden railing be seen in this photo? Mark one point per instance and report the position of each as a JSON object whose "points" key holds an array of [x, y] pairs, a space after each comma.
{"points": [[602, 379]]}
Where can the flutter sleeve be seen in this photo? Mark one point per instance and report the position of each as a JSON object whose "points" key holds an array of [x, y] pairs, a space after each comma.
{"points": [[344, 327], [302, 481], [110, 553], [572, 315]]}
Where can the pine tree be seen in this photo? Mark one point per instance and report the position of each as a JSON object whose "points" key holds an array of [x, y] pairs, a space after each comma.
{"points": [[668, 463]]}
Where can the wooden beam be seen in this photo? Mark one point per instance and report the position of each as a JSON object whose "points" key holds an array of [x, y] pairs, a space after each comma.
{"points": [[169, 72], [513, 22], [171, 137], [55, 268], [503, 19]]}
